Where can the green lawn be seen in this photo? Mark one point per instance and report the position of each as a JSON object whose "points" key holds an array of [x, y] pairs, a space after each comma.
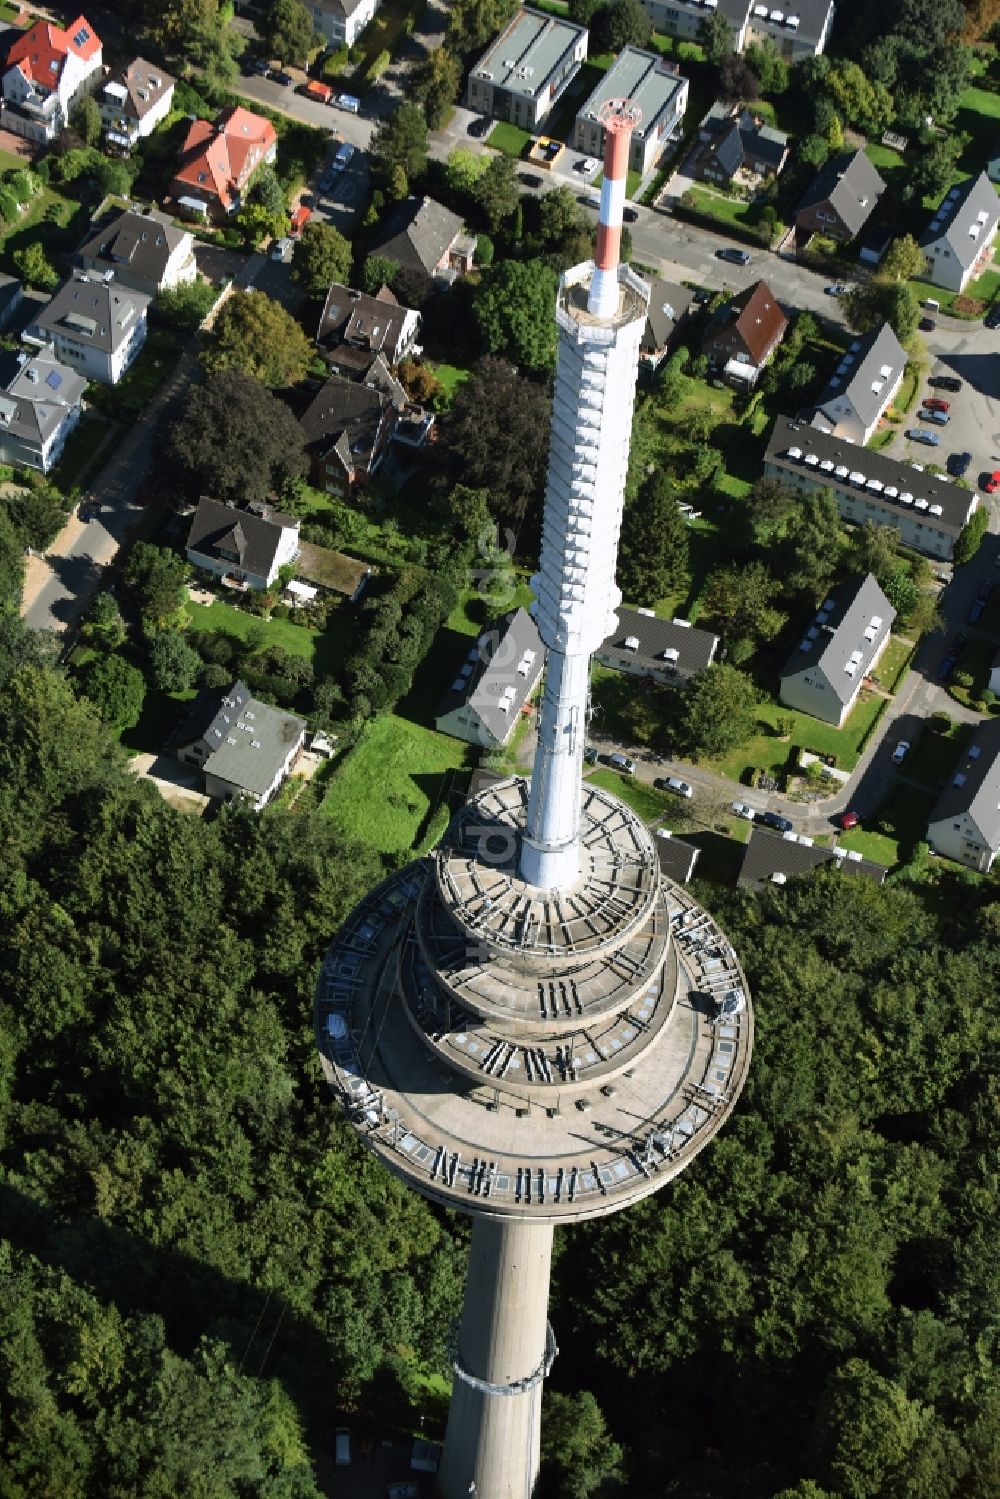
{"points": [[391, 792], [326, 651], [901, 822], [53, 220], [767, 752], [450, 375], [977, 658], [509, 139], [649, 804], [80, 453], [889, 673]]}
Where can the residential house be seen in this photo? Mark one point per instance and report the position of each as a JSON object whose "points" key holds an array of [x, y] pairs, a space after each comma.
{"points": [[133, 102], [93, 324], [994, 682], [218, 160], [840, 200], [48, 72], [735, 145], [743, 334], [669, 304], [776, 858], [243, 548], [523, 73], [652, 83], [422, 235], [965, 822], [348, 427], [341, 22], [676, 857], [668, 651], [11, 297], [355, 329], [145, 251], [494, 682], [245, 748], [838, 650], [928, 511], [796, 28], [40, 404], [862, 387], [958, 242]]}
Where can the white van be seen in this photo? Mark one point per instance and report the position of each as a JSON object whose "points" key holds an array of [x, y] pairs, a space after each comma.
{"points": [[342, 1448]]}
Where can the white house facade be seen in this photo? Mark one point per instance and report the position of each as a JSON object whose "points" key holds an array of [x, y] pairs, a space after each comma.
{"points": [[94, 325], [48, 71]]}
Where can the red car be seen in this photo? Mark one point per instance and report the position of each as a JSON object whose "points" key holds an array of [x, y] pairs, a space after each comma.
{"points": [[935, 403], [993, 482], [847, 820]]}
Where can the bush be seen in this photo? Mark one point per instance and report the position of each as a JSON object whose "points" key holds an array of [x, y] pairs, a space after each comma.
{"points": [[963, 679], [941, 722], [379, 65]]}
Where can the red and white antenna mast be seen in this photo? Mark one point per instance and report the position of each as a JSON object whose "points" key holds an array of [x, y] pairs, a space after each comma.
{"points": [[619, 118]]}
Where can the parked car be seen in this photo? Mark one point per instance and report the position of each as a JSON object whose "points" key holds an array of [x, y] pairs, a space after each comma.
{"points": [[939, 418], [946, 666], [935, 403], [586, 166], [352, 104], [281, 248], [345, 153], [975, 612], [917, 434], [260, 67], [703, 296], [959, 643], [590, 755], [776, 821], [630, 215], [901, 751], [743, 809], [958, 464], [945, 382], [675, 784], [342, 1447], [992, 318], [733, 256], [992, 484], [621, 762], [530, 179], [927, 325], [283, 78], [986, 592], [836, 291], [847, 820]]}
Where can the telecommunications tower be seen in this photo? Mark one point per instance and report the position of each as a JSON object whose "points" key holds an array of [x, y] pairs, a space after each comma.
{"points": [[531, 1025]]}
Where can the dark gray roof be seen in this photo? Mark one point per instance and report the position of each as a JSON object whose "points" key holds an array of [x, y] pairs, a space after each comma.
{"points": [[695, 648], [375, 324], [975, 785], [768, 854], [248, 741], [417, 234], [735, 11], [677, 858], [965, 218], [10, 294], [39, 392], [668, 304], [789, 434], [849, 628], [344, 412], [851, 185], [490, 673], [528, 50], [728, 150], [254, 538], [92, 310], [812, 16], [139, 242], [866, 373], [647, 79]]}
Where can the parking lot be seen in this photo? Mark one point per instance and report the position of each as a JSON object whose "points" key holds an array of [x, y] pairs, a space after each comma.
{"points": [[973, 426]]}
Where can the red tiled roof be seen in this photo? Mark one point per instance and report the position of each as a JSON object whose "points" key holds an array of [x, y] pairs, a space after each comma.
{"points": [[41, 52], [755, 317], [220, 158]]}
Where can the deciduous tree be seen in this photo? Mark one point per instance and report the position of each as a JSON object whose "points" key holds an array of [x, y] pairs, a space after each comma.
{"points": [[289, 32], [437, 84], [497, 436], [399, 144], [653, 556], [234, 440], [716, 36], [255, 334], [116, 688], [86, 120], [495, 190], [175, 665], [321, 257], [717, 711], [155, 577], [513, 309], [870, 305]]}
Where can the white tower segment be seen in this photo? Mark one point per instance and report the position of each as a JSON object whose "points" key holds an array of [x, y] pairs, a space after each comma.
{"points": [[601, 313]]}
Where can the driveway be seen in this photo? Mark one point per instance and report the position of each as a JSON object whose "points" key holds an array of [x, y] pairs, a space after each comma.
{"points": [[177, 784]]}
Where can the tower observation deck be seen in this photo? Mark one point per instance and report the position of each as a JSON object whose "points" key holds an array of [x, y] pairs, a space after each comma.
{"points": [[531, 1025]]}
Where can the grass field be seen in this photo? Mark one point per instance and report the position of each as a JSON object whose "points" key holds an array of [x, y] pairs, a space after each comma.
{"points": [[450, 375], [326, 651], [80, 453], [903, 817], [643, 799], [392, 791], [509, 139], [768, 752], [889, 672]]}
